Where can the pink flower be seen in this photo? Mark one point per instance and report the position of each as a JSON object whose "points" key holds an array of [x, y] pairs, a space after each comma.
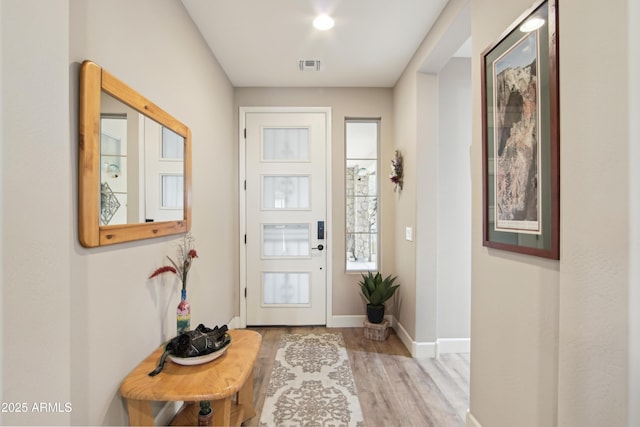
{"points": [[162, 270]]}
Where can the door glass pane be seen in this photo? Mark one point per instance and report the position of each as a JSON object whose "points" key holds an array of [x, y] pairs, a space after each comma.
{"points": [[172, 145], [113, 136], [285, 192], [285, 288], [285, 240], [113, 172], [285, 144], [172, 191]]}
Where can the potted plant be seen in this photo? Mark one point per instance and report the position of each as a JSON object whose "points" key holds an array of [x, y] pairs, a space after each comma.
{"points": [[376, 291]]}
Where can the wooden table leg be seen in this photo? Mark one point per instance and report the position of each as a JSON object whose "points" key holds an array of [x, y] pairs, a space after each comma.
{"points": [[245, 398], [140, 413], [221, 412]]}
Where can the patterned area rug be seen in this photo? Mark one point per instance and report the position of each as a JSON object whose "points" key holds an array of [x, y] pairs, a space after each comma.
{"points": [[311, 384]]}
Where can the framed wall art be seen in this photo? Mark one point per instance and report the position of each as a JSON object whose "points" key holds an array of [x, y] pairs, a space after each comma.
{"points": [[520, 136]]}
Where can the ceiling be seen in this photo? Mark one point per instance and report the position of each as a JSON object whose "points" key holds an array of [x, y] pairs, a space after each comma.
{"points": [[259, 43]]}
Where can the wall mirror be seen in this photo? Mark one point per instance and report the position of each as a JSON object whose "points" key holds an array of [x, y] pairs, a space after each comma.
{"points": [[134, 164]]}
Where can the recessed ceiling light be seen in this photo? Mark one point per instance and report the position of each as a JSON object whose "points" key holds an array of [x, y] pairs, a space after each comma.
{"points": [[532, 25], [323, 22]]}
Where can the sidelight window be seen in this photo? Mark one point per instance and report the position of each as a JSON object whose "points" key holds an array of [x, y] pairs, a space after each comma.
{"points": [[362, 142]]}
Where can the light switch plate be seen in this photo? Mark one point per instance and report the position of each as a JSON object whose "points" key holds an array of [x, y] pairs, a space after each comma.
{"points": [[408, 232]]}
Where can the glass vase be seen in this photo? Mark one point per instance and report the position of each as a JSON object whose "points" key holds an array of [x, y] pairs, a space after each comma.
{"points": [[183, 314]]}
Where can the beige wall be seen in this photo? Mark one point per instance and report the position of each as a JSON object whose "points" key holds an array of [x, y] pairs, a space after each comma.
{"points": [[549, 338], [37, 199], [634, 196], [405, 105], [416, 112], [594, 278], [76, 320], [344, 102]]}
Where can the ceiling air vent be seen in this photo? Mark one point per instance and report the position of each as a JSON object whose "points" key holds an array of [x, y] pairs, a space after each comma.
{"points": [[309, 65]]}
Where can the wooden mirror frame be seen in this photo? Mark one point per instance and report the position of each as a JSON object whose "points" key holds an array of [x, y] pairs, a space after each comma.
{"points": [[93, 81]]}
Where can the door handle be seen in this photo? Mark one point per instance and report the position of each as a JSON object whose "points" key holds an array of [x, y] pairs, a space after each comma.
{"points": [[319, 247]]}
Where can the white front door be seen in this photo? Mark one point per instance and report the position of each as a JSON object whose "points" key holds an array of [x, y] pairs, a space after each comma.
{"points": [[285, 218], [163, 184]]}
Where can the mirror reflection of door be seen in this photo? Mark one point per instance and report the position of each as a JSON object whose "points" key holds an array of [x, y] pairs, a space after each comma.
{"points": [[164, 173], [113, 169], [120, 181], [141, 167]]}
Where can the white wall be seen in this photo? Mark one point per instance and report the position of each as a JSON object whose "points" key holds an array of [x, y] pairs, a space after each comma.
{"points": [[454, 200], [425, 195], [77, 320]]}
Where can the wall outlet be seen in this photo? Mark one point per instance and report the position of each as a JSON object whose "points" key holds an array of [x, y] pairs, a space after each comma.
{"points": [[408, 233]]}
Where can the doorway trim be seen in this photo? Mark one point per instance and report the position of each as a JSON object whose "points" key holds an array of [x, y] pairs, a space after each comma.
{"points": [[242, 176]]}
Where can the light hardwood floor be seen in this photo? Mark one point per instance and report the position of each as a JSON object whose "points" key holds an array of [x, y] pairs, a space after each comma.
{"points": [[394, 389]]}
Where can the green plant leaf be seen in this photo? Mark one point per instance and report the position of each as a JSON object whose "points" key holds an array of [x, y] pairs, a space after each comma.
{"points": [[375, 289]]}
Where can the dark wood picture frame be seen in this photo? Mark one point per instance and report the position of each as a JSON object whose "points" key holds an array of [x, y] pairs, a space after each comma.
{"points": [[520, 136]]}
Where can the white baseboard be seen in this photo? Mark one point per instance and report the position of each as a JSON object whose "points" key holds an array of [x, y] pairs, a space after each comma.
{"points": [[234, 324], [417, 349], [431, 349], [403, 335], [166, 413], [425, 350], [454, 345], [471, 420]]}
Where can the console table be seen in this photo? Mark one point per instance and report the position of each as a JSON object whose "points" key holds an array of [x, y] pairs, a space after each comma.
{"points": [[227, 382]]}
